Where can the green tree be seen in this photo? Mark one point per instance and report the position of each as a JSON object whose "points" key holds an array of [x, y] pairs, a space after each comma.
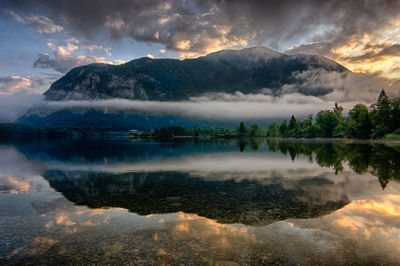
{"points": [[358, 123], [273, 130], [326, 121], [395, 115], [292, 123], [340, 128], [283, 129], [242, 130], [255, 131], [307, 128], [330, 123], [380, 116]]}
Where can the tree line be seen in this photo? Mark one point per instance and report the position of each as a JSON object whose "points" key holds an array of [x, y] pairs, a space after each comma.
{"points": [[172, 132], [379, 120]]}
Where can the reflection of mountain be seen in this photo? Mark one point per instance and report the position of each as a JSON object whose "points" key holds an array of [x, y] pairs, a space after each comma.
{"points": [[227, 201]]}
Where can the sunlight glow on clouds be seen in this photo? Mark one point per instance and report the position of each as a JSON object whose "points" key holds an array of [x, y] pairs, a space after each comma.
{"points": [[12, 84], [64, 60], [17, 84], [363, 35], [374, 52]]}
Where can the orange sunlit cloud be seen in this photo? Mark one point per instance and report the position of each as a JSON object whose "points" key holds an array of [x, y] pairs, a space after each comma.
{"points": [[12, 185], [375, 52]]}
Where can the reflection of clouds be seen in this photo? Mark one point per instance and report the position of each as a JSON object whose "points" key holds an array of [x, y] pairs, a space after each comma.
{"points": [[44, 243], [205, 228], [387, 207], [222, 162], [63, 219], [371, 219], [77, 216], [215, 165], [206, 237], [16, 172], [303, 240], [338, 237], [38, 245], [365, 231], [371, 223], [9, 184], [16, 164]]}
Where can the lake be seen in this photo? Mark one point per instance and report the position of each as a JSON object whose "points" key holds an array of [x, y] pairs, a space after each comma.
{"points": [[202, 202]]}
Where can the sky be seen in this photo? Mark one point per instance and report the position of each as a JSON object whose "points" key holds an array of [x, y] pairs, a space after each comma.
{"points": [[41, 40]]}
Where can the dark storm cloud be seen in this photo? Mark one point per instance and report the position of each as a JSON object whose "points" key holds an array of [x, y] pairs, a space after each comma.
{"points": [[195, 26]]}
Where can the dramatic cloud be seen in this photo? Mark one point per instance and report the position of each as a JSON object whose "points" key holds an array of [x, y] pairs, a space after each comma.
{"points": [[197, 27], [341, 87], [40, 23], [377, 51], [363, 35]]}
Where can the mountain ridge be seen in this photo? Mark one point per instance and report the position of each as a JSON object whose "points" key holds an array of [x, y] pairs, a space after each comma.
{"points": [[248, 70]]}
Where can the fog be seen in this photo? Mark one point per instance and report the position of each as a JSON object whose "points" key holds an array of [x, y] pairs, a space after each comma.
{"points": [[220, 106], [347, 89], [13, 106], [250, 107]]}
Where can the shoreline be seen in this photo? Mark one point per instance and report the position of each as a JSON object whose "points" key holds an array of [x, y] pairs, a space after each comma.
{"points": [[310, 140]]}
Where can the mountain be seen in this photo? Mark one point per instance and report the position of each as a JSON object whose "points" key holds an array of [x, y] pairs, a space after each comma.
{"points": [[248, 71], [102, 120]]}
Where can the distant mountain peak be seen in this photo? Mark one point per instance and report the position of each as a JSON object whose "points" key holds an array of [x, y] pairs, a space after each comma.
{"points": [[250, 53]]}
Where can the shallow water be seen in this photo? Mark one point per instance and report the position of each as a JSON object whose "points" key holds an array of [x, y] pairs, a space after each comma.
{"points": [[225, 203]]}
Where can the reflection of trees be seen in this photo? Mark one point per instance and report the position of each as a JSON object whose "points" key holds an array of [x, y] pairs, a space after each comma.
{"points": [[380, 160]]}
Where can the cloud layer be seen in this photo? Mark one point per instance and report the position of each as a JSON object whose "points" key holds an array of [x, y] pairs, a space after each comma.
{"points": [[223, 107], [12, 106], [197, 27]]}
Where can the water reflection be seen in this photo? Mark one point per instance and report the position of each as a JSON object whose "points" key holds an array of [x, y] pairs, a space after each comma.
{"points": [[226, 201], [245, 202], [380, 160]]}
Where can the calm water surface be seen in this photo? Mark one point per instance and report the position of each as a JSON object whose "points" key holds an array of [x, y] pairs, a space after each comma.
{"points": [[224, 203]]}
